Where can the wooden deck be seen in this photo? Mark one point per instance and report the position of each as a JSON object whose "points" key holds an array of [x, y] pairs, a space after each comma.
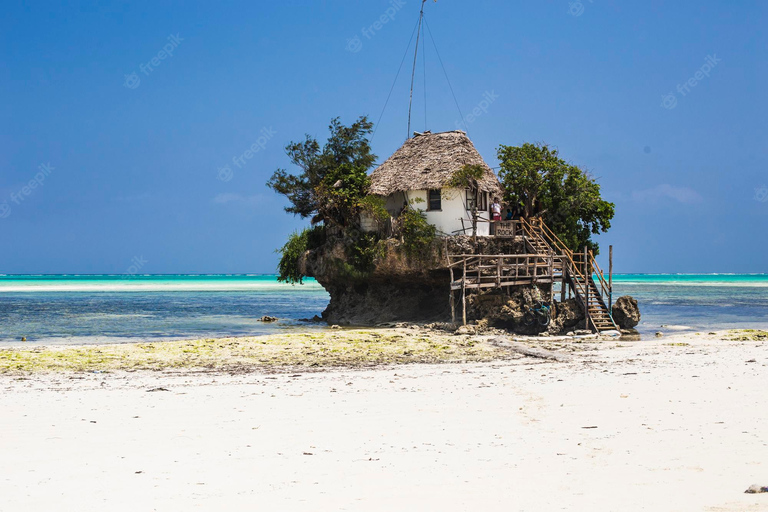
{"points": [[549, 261], [498, 270]]}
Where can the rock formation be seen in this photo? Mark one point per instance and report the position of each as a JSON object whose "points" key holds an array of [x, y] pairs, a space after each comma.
{"points": [[417, 288], [625, 312], [399, 287]]}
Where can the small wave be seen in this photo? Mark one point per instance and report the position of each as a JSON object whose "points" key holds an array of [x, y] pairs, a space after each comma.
{"points": [[128, 286], [688, 284], [677, 328]]}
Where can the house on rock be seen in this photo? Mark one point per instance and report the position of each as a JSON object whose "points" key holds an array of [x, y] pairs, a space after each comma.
{"points": [[507, 254], [418, 174]]}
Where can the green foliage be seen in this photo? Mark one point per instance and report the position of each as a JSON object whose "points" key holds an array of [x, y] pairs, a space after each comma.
{"points": [[540, 183], [417, 233], [315, 237], [298, 243], [333, 180], [362, 251], [466, 177], [375, 206]]}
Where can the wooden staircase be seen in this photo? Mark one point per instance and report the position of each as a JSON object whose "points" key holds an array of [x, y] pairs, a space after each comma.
{"points": [[577, 271]]}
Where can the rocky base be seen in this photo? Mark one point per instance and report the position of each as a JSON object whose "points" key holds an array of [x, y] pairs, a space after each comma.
{"points": [[374, 303], [499, 310], [417, 289]]}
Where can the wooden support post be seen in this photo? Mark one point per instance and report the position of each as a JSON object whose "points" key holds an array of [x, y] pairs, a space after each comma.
{"points": [[453, 301], [587, 278], [498, 271], [464, 295], [453, 308], [562, 287], [610, 280], [562, 281], [551, 279]]}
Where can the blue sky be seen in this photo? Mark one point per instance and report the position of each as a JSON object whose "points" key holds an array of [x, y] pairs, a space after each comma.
{"points": [[664, 102]]}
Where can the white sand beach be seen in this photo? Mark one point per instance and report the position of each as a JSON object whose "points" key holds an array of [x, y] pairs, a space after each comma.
{"points": [[676, 424]]}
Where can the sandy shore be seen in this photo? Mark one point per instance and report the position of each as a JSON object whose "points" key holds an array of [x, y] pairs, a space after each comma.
{"points": [[676, 424]]}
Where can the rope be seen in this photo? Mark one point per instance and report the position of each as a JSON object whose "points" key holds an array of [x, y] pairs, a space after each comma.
{"points": [[446, 75], [376, 127]]}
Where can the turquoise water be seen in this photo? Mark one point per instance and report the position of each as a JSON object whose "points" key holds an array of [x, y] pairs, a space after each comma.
{"points": [[697, 302], [107, 308]]}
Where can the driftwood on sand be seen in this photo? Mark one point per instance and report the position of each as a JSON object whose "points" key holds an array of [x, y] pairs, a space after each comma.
{"points": [[525, 350]]}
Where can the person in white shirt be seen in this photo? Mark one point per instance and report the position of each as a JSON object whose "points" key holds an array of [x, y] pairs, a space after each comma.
{"points": [[496, 209]]}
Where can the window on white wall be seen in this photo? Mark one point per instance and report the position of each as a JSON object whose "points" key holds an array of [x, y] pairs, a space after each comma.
{"points": [[482, 204], [480, 198], [470, 199], [434, 200]]}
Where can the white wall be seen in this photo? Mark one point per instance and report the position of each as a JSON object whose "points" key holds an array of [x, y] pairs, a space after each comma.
{"points": [[448, 219]]}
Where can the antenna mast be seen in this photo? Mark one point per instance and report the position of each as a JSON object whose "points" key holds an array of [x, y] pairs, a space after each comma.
{"points": [[420, 24]]}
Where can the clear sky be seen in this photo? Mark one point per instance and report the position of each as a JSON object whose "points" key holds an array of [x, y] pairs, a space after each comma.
{"points": [[665, 102]]}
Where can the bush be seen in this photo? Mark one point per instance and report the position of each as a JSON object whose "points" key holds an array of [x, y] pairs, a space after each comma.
{"points": [[375, 206], [363, 250], [315, 237], [298, 243], [418, 234]]}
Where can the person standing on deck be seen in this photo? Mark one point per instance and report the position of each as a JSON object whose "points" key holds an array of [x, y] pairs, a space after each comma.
{"points": [[495, 214], [496, 209]]}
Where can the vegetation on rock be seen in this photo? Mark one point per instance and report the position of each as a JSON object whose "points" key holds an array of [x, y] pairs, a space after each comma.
{"points": [[333, 180], [331, 189], [288, 267], [362, 251], [539, 183], [418, 234]]}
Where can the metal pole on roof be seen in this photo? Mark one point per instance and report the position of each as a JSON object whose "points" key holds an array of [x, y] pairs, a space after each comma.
{"points": [[413, 73]]}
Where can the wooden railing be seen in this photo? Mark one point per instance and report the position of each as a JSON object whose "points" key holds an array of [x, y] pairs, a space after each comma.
{"points": [[605, 287], [582, 266], [494, 270]]}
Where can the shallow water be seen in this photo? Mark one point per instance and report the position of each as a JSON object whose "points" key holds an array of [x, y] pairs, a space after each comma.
{"points": [[105, 309], [695, 303]]}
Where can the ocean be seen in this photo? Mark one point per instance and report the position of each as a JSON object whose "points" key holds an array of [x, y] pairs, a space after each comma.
{"points": [[86, 309]]}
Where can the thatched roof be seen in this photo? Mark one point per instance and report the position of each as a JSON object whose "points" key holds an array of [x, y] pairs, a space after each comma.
{"points": [[428, 161]]}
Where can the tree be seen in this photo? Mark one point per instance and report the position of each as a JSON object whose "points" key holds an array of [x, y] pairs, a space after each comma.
{"points": [[541, 184], [333, 180]]}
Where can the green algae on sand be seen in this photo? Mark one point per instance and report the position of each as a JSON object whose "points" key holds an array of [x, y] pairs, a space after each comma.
{"points": [[348, 348]]}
